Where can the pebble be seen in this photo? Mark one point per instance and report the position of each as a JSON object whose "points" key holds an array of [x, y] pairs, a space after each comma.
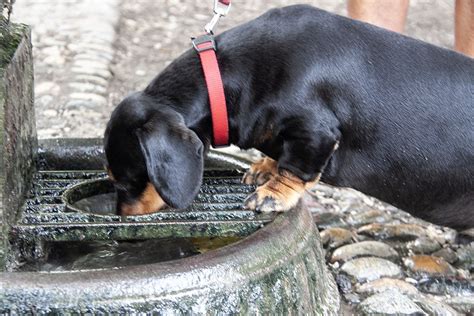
{"points": [[447, 254], [50, 113], [446, 286], [364, 248], [429, 265], [140, 72], [465, 237], [423, 245], [384, 284], [404, 232], [87, 87], [465, 256], [443, 235], [328, 220], [433, 307], [87, 63], [371, 216], [336, 237], [46, 87], [44, 100], [94, 55], [391, 303], [371, 268], [91, 97], [91, 79], [463, 304], [344, 283], [103, 73], [78, 105]]}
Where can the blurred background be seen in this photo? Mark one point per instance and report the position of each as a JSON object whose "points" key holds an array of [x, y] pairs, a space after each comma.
{"points": [[90, 54]]}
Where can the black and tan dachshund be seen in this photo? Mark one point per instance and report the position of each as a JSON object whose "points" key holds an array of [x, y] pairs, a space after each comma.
{"points": [[322, 96]]}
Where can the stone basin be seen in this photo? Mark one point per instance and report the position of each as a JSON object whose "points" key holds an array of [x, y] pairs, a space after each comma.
{"points": [[274, 266]]}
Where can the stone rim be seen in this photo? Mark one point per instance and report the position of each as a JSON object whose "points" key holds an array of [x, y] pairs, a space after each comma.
{"points": [[274, 245]]}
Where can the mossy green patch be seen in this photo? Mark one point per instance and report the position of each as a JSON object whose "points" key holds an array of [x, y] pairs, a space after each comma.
{"points": [[10, 37]]}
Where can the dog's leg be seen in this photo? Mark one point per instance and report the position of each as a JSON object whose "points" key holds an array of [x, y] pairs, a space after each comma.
{"points": [[299, 167], [261, 171]]}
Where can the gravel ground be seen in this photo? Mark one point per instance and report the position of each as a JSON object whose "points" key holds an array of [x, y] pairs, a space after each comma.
{"points": [[73, 48], [90, 54]]}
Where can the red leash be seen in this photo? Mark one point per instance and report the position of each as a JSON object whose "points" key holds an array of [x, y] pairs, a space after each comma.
{"points": [[206, 48]]}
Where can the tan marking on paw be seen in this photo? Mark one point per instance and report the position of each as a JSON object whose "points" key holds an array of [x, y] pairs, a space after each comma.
{"points": [[309, 185], [261, 171], [279, 194], [149, 202]]}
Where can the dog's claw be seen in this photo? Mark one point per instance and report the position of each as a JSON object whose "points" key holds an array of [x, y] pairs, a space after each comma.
{"points": [[250, 202], [265, 204]]}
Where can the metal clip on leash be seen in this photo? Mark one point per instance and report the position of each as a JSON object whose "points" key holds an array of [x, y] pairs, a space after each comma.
{"points": [[221, 8]]}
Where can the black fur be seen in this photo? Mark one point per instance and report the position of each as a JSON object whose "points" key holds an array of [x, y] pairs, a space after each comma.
{"points": [[402, 111]]}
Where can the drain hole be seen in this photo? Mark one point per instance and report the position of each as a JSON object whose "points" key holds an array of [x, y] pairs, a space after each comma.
{"points": [[101, 204], [96, 196]]}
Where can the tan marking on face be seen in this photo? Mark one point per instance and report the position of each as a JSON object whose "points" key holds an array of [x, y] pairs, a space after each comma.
{"points": [[111, 176], [149, 202]]}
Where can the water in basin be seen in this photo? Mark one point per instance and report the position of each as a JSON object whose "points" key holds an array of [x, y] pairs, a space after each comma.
{"points": [[68, 256], [102, 204]]}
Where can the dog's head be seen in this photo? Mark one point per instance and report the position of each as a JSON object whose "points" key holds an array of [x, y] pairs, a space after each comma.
{"points": [[153, 159]]}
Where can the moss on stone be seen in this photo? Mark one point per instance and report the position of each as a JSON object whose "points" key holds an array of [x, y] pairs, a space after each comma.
{"points": [[17, 131], [10, 37]]}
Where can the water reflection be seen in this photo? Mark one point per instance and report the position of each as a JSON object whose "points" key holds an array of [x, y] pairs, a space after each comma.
{"points": [[67, 256], [102, 204]]}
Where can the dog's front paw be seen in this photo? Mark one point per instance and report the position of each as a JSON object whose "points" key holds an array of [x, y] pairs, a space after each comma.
{"points": [[279, 194], [261, 171]]}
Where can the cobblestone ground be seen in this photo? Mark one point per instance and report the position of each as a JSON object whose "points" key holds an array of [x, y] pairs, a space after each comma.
{"points": [[90, 54], [388, 262]]}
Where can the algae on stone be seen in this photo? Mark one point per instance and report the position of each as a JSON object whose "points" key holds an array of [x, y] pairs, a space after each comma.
{"points": [[17, 124]]}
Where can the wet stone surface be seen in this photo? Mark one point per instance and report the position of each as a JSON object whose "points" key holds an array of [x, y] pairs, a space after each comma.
{"points": [[389, 302], [370, 268], [363, 249], [388, 262]]}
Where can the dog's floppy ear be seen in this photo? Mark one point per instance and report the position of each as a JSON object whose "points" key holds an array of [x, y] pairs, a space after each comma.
{"points": [[174, 160]]}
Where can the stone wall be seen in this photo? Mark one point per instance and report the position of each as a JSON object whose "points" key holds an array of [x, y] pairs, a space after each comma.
{"points": [[18, 140]]}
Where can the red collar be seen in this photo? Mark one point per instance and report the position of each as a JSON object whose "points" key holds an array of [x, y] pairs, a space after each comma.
{"points": [[206, 48]]}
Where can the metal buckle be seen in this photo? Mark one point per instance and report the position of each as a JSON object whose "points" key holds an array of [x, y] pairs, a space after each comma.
{"points": [[221, 8], [206, 38]]}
